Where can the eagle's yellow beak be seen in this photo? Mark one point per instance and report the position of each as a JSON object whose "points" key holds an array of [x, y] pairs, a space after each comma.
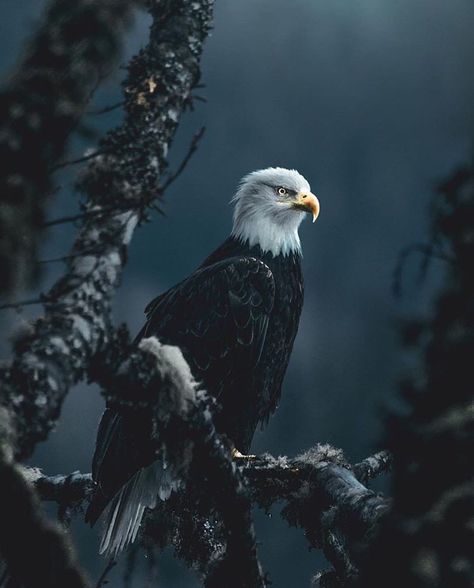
{"points": [[307, 202]]}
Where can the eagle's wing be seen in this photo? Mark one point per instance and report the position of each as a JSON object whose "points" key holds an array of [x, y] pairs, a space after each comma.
{"points": [[219, 318]]}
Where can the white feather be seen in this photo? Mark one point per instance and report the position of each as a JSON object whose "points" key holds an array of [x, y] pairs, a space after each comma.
{"points": [[124, 514]]}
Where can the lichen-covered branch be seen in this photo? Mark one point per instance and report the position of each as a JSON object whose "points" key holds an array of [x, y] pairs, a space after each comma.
{"points": [[321, 474], [71, 51], [372, 466], [319, 489], [77, 319]]}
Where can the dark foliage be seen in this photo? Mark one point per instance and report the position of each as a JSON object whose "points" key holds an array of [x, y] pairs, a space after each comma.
{"points": [[427, 541], [75, 45], [37, 552]]}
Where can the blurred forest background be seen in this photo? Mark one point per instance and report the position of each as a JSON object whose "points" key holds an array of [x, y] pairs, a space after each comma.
{"points": [[374, 103]]}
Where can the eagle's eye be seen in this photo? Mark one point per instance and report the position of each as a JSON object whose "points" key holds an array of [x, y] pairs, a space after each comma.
{"points": [[282, 191]]}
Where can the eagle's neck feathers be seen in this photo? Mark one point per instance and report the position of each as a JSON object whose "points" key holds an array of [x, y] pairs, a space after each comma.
{"points": [[272, 236]]}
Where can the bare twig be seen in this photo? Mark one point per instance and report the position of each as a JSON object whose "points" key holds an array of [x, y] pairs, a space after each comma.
{"points": [[103, 211], [192, 149], [102, 581], [82, 159], [428, 251], [106, 109], [77, 217], [20, 303]]}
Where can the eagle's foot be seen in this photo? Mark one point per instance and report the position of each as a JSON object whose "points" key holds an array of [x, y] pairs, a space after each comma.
{"points": [[237, 455]]}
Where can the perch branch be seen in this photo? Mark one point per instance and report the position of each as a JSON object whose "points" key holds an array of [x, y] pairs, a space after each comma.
{"points": [[309, 484]]}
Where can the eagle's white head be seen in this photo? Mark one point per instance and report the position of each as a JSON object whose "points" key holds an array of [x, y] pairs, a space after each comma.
{"points": [[269, 207]]}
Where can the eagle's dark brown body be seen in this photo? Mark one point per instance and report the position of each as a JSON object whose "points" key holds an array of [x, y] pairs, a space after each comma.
{"points": [[256, 392], [235, 320]]}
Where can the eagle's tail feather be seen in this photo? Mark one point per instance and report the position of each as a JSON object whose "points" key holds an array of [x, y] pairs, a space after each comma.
{"points": [[123, 515]]}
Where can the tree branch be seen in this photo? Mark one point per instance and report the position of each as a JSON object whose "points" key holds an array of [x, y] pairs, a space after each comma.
{"points": [[315, 483], [77, 319], [372, 466], [192, 149], [77, 322], [106, 109], [157, 381], [67, 489], [81, 159]]}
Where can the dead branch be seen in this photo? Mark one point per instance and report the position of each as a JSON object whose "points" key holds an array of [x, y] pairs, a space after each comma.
{"points": [[102, 581], [106, 109], [157, 381], [69, 162], [191, 151]]}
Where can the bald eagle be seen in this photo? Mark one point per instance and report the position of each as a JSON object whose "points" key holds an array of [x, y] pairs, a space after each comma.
{"points": [[234, 319]]}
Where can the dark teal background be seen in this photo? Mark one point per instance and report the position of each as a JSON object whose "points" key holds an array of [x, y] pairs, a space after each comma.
{"points": [[373, 102]]}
